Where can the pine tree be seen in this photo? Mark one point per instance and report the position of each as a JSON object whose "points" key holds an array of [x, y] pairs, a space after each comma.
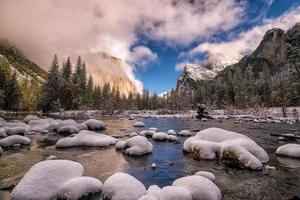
{"points": [[51, 89], [77, 72], [89, 91], [12, 94], [67, 70]]}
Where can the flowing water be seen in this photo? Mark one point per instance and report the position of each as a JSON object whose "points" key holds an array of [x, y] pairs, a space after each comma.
{"points": [[172, 163]]}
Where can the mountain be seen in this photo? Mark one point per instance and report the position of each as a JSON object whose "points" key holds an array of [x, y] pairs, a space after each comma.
{"points": [[194, 74], [20, 64], [268, 77], [106, 68]]}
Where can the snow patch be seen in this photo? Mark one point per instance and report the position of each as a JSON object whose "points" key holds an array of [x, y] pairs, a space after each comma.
{"points": [[231, 146], [290, 150], [14, 140], [121, 186], [86, 139], [78, 187]]}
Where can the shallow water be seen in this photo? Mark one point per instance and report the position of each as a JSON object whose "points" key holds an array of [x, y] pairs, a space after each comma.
{"points": [[282, 183]]}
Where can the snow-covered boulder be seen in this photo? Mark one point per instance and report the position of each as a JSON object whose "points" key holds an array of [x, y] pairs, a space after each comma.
{"points": [[15, 128], [289, 150], [80, 186], [69, 126], [175, 193], [172, 138], [137, 146], [234, 148], [147, 133], [45, 180], [154, 190], [160, 136], [171, 132], [185, 133], [205, 174], [86, 139], [29, 118], [94, 124], [199, 187], [39, 125], [120, 145], [121, 186], [153, 129], [138, 124], [14, 140]]}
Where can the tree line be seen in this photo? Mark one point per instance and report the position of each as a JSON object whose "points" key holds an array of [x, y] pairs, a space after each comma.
{"points": [[70, 89]]}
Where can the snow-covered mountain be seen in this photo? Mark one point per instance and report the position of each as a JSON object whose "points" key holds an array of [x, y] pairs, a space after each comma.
{"points": [[195, 74]]}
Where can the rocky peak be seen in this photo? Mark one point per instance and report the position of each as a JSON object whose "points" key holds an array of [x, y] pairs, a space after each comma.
{"points": [[273, 46], [193, 75], [293, 35]]}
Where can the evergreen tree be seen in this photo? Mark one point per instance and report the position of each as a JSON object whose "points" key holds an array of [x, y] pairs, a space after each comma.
{"points": [[67, 70], [12, 94], [51, 89]]}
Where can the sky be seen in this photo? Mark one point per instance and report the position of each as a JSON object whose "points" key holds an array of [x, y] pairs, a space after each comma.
{"points": [[155, 38]]}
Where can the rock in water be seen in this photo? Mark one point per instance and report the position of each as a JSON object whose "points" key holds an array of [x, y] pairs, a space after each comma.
{"points": [[78, 187], [202, 112], [235, 149], [13, 140], [45, 179], [138, 124], [94, 124], [136, 146], [86, 139], [121, 186], [289, 150]]}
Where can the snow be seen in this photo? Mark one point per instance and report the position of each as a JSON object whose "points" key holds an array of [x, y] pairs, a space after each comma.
{"points": [[14, 128], [153, 129], [154, 190], [289, 150], [205, 174], [137, 146], [69, 126], [147, 133], [121, 186], [52, 157], [175, 193], [38, 185], [209, 143], [199, 187], [160, 136], [138, 124], [13, 140], [171, 132], [120, 145], [187, 188], [87, 139], [94, 124], [172, 138], [148, 197], [29, 118], [197, 73], [185, 133], [80, 186], [39, 125]]}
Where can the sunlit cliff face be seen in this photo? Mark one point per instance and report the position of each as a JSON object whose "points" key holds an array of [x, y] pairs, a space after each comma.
{"points": [[109, 69]]}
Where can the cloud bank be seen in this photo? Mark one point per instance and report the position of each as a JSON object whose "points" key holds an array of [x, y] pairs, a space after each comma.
{"points": [[90, 27], [246, 41]]}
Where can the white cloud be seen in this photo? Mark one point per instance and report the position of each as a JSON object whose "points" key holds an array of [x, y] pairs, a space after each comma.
{"points": [[142, 56], [246, 41], [76, 27]]}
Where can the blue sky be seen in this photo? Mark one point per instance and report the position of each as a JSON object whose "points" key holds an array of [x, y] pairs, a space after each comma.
{"points": [[161, 75]]}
